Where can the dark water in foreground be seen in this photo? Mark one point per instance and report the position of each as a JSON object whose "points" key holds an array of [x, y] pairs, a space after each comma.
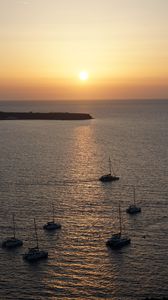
{"points": [[61, 161]]}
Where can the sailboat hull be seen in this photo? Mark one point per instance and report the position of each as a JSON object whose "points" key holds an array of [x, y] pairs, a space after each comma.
{"points": [[12, 243], [52, 226], [132, 210], [108, 178], [34, 254], [118, 243]]}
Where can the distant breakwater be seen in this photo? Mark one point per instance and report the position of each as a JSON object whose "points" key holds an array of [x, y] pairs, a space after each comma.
{"points": [[44, 116]]}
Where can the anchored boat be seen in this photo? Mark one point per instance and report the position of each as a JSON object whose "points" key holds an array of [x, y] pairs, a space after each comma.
{"points": [[35, 254], [12, 242], [52, 225], [111, 176], [118, 240], [133, 209]]}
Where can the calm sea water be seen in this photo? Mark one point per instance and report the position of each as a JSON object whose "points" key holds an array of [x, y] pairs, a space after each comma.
{"points": [[61, 161]]}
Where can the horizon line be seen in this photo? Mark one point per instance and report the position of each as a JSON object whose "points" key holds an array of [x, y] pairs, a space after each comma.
{"points": [[119, 99]]}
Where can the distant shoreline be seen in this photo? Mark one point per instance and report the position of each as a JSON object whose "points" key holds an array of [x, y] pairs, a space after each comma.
{"points": [[44, 116]]}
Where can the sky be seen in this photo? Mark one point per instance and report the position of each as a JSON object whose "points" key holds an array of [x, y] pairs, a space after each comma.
{"points": [[45, 44]]}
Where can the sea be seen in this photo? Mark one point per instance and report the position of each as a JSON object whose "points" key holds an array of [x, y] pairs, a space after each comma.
{"points": [[45, 163]]}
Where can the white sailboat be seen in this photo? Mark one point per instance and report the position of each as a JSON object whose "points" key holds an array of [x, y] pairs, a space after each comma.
{"points": [[110, 176], [34, 254], [52, 225], [12, 242], [117, 240], [133, 209]]}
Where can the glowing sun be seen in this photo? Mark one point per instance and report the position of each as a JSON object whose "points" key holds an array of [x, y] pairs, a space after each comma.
{"points": [[83, 75]]}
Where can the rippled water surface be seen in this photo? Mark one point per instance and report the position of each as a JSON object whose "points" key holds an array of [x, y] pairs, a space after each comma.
{"points": [[60, 161]]}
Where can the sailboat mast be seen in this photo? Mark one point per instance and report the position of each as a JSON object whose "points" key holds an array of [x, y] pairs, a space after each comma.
{"points": [[14, 227], [134, 195], [111, 169], [35, 228], [110, 165], [53, 210], [120, 218]]}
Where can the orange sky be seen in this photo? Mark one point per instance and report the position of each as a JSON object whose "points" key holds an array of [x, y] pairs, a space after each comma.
{"points": [[122, 44]]}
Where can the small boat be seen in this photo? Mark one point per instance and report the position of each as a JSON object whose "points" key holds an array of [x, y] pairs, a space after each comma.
{"points": [[52, 225], [109, 177], [117, 240], [12, 242], [133, 209], [35, 254]]}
